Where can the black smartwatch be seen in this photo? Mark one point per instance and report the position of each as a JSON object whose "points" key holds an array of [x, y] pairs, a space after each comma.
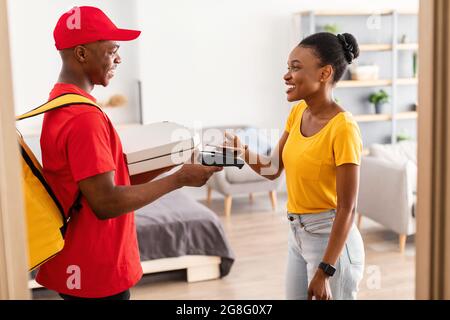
{"points": [[327, 268]]}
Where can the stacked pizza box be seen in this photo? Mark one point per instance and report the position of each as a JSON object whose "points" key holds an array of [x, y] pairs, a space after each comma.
{"points": [[157, 145]]}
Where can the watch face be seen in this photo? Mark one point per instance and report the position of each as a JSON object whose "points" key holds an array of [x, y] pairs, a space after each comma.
{"points": [[328, 269]]}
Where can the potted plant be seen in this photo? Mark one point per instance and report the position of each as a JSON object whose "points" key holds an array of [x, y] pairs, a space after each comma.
{"points": [[331, 28], [403, 136], [378, 99]]}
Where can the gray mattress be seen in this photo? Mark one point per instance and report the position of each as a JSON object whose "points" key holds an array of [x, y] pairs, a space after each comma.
{"points": [[177, 225]]}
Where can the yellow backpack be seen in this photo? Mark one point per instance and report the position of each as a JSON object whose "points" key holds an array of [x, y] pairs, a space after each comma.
{"points": [[45, 219]]}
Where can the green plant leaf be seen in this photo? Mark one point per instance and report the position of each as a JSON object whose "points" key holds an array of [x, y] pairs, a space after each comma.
{"points": [[332, 28], [380, 96]]}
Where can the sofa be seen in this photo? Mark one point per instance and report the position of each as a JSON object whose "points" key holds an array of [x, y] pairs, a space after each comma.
{"points": [[388, 186]]}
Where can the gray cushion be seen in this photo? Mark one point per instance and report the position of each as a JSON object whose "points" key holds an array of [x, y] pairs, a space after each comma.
{"points": [[244, 175], [405, 150]]}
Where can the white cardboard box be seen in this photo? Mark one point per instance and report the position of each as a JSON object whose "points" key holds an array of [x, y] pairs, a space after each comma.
{"points": [[157, 145]]}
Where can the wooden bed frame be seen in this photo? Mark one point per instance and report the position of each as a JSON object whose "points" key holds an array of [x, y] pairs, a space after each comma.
{"points": [[198, 268]]}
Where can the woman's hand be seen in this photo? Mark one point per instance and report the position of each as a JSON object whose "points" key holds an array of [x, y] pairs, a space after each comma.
{"points": [[233, 143], [319, 287]]}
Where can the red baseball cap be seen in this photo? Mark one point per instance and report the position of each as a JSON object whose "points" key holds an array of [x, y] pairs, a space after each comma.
{"points": [[82, 25]]}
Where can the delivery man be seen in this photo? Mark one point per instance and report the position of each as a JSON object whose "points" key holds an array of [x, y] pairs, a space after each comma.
{"points": [[81, 151]]}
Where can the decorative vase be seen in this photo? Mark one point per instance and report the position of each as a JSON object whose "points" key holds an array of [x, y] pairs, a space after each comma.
{"points": [[378, 108]]}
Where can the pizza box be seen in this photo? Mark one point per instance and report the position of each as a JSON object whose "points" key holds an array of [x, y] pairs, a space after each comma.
{"points": [[157, 145]]}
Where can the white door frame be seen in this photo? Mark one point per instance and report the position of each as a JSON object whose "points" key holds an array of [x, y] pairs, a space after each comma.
{"points": [[433, 187], [13, 252]]}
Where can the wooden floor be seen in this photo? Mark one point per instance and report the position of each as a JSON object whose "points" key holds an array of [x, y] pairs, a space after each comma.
{"points": [[258, 237]]}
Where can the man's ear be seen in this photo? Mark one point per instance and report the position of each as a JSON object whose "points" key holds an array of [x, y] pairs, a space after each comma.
{"points": [[80, 53], [326, 73]]}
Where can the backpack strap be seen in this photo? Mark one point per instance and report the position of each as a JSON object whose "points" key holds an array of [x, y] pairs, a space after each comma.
{"points": [[76, 206], [65, 100]]}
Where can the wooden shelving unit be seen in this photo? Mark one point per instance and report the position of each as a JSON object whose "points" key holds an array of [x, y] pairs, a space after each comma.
{"points": [[375, 47], [407, 81], [385, 116], [375, 83], [363, 83], [406, 115], [372, 117], [332, 13], [392, 47], [388, 47], [407, 46]]}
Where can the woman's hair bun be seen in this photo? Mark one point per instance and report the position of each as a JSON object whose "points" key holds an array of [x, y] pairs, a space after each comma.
{"points": [[350, 46]]}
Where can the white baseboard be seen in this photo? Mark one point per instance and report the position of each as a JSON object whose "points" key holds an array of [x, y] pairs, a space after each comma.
{"points": [[198, 268]]}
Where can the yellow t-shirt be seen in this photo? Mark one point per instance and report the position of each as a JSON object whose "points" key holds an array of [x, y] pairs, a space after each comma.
{"points": [[310, 162]]}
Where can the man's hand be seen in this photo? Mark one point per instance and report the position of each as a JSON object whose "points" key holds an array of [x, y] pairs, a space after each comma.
{"points": [[195, 175], [319, 287]]}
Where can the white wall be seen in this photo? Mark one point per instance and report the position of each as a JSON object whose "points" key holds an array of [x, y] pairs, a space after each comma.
{"points": [[214, 62], [221, 62], [36, 62]]}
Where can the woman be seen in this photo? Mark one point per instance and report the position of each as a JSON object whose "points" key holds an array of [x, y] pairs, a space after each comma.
{"points": [[320, 150]]}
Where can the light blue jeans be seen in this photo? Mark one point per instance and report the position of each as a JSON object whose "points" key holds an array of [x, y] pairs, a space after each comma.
{"points": [[308, 240]]}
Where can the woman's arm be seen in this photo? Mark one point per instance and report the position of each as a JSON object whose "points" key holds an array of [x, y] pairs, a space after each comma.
{"points": [[347, 181], [269, 167]]}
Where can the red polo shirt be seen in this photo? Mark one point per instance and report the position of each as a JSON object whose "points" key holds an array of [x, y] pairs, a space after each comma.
{"points": [[100, 258]]}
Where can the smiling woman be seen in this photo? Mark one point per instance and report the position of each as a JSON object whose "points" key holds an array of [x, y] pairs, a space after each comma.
{"points": [[321, 156], [320, 150], [325, 54]]}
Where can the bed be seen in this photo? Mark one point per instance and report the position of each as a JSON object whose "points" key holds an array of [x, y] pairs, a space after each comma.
{"points": [[187, 235], [176, 232]]}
